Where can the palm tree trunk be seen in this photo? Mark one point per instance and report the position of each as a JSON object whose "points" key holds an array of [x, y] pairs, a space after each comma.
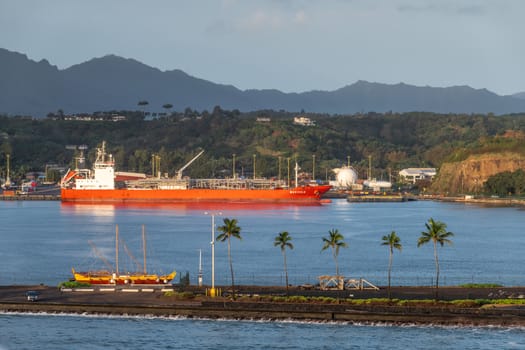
{"points": [[437, 269], [285, 271], [336, 265], [231, 268], [389, 270]]}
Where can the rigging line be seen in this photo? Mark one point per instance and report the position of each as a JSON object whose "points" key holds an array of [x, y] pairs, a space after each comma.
{"points": [[100, 256]]}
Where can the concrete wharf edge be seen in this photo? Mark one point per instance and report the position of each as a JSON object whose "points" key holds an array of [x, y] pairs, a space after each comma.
{"points": [[504, 316], [283, 311]]}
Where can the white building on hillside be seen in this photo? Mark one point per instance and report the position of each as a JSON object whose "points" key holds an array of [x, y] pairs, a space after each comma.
{"points": [[304, 121], [413, 175]]}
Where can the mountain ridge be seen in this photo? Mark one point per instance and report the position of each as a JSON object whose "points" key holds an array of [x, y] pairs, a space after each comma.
{"points": [[112, 82]]}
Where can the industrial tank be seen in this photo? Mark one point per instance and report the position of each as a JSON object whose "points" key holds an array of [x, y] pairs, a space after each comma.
{"points": [[345, 176]]}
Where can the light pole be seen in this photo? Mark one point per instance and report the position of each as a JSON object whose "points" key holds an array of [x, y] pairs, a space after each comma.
{"points": [[233, 167], [288, 172], [200, 267], [279, 168], [313, 167], [212, 291], [254, 166]]}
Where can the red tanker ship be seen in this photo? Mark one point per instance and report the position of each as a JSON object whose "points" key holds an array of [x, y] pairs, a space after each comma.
{"points": [[98, 185]]}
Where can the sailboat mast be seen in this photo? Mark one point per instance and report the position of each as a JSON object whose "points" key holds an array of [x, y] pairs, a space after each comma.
{"points": [[144, 246], [116, 249]]}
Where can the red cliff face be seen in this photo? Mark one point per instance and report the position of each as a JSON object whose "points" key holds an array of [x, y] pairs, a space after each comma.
{"points": [[468, 176]]}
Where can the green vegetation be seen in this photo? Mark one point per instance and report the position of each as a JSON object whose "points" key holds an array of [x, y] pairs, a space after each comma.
{"points": [[394, 141], [180, 295], [506, 183], [393, 241], [436, 233], [283, 241], [462, 303], [73, 284], [480, 285], [335, 240], [229, 229]]}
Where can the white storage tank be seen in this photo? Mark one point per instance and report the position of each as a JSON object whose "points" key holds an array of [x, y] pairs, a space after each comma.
{"points": [[345, 176]]}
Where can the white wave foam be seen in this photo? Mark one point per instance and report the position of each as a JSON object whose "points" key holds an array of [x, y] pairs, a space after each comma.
{"points": [[266, 320]]}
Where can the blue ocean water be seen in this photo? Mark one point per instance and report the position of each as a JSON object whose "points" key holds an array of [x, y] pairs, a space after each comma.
{"points": [[89, 332], [41, 241]]}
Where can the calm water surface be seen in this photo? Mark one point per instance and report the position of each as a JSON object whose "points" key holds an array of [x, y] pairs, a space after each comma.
{"points": [[41, 241], [70, 332]]}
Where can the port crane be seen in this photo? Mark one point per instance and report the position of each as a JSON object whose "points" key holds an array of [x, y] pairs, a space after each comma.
{"points": [[179, 172]]}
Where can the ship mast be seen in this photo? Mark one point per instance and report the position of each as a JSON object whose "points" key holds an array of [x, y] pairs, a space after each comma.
{"points": [[144, 246], [116, 249], [296, 174]]}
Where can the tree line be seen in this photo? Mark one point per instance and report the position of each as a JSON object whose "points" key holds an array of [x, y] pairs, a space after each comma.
{"points": [[435, 233], [392, 141]]}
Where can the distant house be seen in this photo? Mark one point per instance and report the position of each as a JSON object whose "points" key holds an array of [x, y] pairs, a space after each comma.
{"points": [[118, 118], [263, 120], [304, 121], [413, 175], [95, 117]]}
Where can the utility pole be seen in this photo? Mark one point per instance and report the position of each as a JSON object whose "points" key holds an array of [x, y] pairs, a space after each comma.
{"points": [[254, 166], [233, 167], [279, 168], [369, 167], [313, 167], [288, 171]]}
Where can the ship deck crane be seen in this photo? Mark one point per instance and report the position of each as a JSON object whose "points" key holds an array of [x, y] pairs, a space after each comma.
{"points": [[179, 172]]}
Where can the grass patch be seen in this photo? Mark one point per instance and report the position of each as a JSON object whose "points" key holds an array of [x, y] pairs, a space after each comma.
{"points": [[73, 284], [179, 295], [480, 285]]}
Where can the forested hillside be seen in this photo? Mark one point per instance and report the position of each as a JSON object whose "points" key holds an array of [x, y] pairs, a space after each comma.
{"points": [[393, 141]]}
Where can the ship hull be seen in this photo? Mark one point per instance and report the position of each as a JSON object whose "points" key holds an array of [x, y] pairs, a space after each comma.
{"points": [[305, 193], [110, 279]]}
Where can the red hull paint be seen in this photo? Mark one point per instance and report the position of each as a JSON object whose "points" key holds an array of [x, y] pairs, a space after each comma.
{"points": [[305, 193]]}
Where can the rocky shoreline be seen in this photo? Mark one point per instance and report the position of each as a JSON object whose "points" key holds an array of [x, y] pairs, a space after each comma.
{"points": [[249, 305]]}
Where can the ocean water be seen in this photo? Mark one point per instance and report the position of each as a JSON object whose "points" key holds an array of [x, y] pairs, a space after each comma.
{"points": [[41, 241], [91, 332]]}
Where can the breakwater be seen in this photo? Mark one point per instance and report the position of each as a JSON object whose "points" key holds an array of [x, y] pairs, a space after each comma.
{"points": [[154, 303]]}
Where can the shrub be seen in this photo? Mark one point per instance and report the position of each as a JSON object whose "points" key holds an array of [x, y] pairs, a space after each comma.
{"points": [[480, 285], [73, 284]]}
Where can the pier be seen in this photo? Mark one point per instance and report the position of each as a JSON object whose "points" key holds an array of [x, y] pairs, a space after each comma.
{"points": [[251, 305]]}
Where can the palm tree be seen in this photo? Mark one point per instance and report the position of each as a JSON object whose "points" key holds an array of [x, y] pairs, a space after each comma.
{"points": [[392, 240], [168, 107], [437, 233], [335, 241], [283, 241], [229, 229], [143, 104]]}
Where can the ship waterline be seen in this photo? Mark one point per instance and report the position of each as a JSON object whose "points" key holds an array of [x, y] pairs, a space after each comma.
{"points": [[304, 193]]}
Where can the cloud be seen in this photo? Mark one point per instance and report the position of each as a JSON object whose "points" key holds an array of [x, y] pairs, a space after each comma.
{"points": [[471, 10], [261, 19], [442, 8], [300, 17]]}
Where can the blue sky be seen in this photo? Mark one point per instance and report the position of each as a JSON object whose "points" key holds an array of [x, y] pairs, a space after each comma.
{"points": [[290, 45]]}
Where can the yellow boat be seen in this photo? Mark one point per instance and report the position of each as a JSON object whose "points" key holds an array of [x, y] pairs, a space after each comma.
{"points": [[117, 277]]}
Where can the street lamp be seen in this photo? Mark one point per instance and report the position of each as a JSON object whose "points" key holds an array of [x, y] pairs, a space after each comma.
{"points": [[212, 291], [233, 167], [254, 166], [313, 167]]}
